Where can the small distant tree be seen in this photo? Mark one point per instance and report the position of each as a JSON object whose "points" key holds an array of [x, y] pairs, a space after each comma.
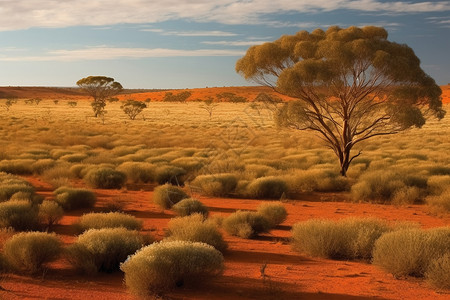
{"points": [[133, 108], [180, 97], [350, 84], [100, 88], [209, 106], [72, 103], [9, 102], [56, 101]]}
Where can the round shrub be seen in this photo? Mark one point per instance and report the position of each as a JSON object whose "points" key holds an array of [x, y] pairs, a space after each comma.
{"points": [[30, 251], [410, 252], [103, 249], [10, 185], [273, 212], [195, 228], [74, 198], [218, 185], [50, 213], [190, 206], [438, 272], [21, 215], [169, 174], [160, 267], [168, 195], [108, 220], [267, 188], [138, 171], [105, 178], [245, 224], [351, 238]]}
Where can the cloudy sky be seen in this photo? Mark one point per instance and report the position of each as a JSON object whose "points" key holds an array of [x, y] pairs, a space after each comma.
{"points": [[190, 43]]}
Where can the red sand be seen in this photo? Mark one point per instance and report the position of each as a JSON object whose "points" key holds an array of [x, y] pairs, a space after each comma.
{"points": [[290, 275]]}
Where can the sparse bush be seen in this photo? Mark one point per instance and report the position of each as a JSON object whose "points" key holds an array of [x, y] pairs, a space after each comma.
{"points": [[410, 252], [350, 238], [190, 206], [267, 188], [50, 213], [160, 267], [169, 174], [438, 272], [246, 224], [74, 198], [18, 214], [274, 212], [105, 178], [195, 228], [218, 185], [137, 171], [30, 251], [132, 108], [168, 195], [108, 220], [102, 250]]}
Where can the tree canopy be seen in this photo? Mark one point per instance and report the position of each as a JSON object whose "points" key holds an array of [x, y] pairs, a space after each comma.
{"points": [[350, 84], [100, 88]]}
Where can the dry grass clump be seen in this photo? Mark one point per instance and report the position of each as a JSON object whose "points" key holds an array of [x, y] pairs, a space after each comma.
{"points": [[17, 166], [105, 178], [411, 252], [440, 202], [169, 174], [218, 185], [160, 267], [41, 165], [351, 238], [138, 171], [102, 250], [438, 184], [50, 213], [270, 187], [190, 206], [168, 195], [246, 224], [20, 215], [29, 251], [316, 179], [273, 212], [58, 175], [195, 228], [10, 185], [74, 198], [74, 157], [438, 272], [108, 220]]}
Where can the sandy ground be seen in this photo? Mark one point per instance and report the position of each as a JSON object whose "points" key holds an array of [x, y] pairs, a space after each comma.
{"points": [[289, 275]]}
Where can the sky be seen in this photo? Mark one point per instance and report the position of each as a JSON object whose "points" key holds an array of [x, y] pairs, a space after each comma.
{"points": [[179, 44]]}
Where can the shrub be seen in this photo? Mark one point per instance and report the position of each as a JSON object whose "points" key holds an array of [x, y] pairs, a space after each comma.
{"points": [[190, 206], [50, 213], [167, 195], [267, 188], [138, 171], [273, 212], [169, 174], [410, 252], [10, 185], [245, 224], [442, 201], [195, 228], [162, 266], [18, 214], [103, 249], [30, 251], [74, 198], [438, 272], [42, 165], [17, 166], [108, 220], [346, 239], [105, 178], [216, 185]]}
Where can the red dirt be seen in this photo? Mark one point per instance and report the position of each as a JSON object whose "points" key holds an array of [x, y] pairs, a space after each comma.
{"points": [[290, 275]]}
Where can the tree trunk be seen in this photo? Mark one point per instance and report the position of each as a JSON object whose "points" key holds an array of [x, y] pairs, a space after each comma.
{"points": [[345, 162]]}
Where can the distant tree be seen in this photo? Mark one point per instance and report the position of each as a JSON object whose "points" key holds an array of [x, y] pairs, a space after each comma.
{"points": [[351, 84], [72, 103], [180, 97], [56, 101], [33, 101], [230, 97], [133, 108], [9, 102], [209, 106], [100, 88]]}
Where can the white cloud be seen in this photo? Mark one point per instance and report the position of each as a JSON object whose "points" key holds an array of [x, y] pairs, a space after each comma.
{"points": [[234, 43], [192, 33], [22, 14], [110, 53]]}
